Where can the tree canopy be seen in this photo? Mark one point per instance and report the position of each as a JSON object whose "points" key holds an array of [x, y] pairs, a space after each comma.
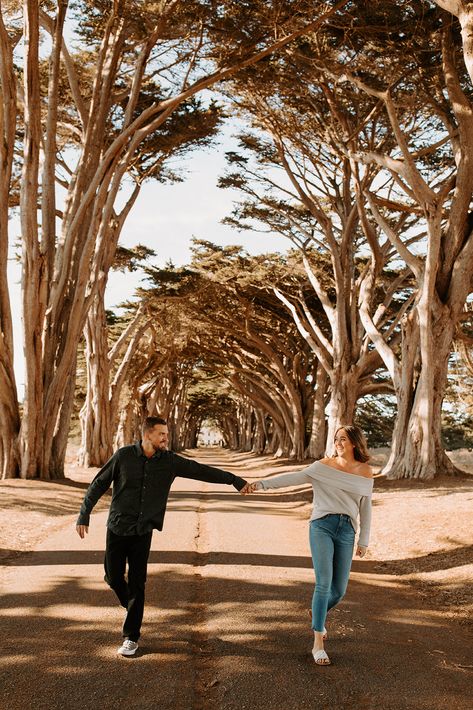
{"points": [[356, 146]]}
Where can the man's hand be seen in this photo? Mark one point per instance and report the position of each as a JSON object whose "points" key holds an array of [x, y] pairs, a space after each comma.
{"points": [[82, 530], [361, 551], [251, 488], [245, 490]]}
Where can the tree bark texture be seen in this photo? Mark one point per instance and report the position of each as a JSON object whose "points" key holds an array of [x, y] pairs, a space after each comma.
{"points": [[61, 273], [9, 409]]}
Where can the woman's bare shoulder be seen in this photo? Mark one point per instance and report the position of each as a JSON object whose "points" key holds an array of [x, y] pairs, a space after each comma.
{"points": [[364, 469], [361, 469], [328, 461]]}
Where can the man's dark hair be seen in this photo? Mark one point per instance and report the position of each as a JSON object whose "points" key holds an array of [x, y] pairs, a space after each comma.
{"points": [[150, 422]]}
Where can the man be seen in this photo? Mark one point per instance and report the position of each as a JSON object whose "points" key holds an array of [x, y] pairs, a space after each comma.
{"points": [[142, 475]]}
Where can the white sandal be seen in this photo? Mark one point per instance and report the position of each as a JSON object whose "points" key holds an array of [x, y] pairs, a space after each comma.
{"points": [[321, 658]]}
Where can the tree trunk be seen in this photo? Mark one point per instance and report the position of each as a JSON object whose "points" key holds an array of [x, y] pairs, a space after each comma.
{"points": [[273, 445], [95, 415], [417, 449], [317, 443], [9, 409], [230, 432], [259, 434], [245, 427], [297, 434], [128, 424], [466, 21], [34, 301], [61, 436], [405, 381], [178, 412], [343, 398], [9, 429]]}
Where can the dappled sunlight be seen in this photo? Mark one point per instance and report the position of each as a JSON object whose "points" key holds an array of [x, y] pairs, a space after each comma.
{"points": [[169, 597], [408, 621], [246, 461], [377, 580], [244, 618], [18, 658], [438, 486], [163, 557], [229, 603], [434, 561]]}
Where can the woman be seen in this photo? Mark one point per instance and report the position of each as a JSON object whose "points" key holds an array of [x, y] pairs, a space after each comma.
{"points": [[342, 486]]}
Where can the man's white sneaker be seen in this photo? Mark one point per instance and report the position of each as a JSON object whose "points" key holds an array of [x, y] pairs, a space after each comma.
{"points": [[128, 648]]}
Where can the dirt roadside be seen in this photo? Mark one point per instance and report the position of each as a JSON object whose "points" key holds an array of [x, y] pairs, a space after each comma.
{"points": [[230, 581]]}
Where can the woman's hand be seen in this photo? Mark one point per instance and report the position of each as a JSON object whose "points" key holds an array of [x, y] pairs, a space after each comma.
{"points": [[361, 551], [251, 488]]}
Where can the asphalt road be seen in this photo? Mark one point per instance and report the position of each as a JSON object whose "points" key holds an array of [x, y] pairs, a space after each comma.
{"points": [[226, 620]]}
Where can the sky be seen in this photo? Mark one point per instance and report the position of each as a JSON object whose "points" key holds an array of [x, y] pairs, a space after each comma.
{"points": [[165, 218]]}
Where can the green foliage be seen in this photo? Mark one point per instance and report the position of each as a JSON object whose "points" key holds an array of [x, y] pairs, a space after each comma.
{"points": [[457, 431], [192, 126], [131, 259], [298, 99], [211, 401], [208, 315], [376, 416]]}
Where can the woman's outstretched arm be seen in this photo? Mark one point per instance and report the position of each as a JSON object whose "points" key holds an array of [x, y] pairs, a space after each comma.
{"points": [[285, 480]]}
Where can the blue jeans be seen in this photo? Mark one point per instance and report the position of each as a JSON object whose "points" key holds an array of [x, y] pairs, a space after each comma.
{"points": [[331, 543]]}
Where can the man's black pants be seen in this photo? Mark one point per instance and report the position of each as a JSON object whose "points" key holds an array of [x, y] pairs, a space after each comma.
{"points": [[133, 549]]}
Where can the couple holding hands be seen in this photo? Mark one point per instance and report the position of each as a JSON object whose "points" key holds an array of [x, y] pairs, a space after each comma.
{"points": [[142, 475]]}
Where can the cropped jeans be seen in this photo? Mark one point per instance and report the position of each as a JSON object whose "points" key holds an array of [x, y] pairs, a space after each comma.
{"points": [[331, 543]]}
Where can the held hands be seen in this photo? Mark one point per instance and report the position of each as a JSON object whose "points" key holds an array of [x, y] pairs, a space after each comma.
{"points": [[82, 530], [251, 488]]}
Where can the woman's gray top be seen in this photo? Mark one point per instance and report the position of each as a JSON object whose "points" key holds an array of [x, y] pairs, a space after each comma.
{"points": [[334, 492]]}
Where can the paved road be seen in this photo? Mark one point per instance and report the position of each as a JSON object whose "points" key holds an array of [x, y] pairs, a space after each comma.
{"points": [[226, 623]]}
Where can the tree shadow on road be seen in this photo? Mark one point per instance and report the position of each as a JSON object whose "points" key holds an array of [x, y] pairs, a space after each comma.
{"points": [[434, 561], [233, 635], [431, 562]]}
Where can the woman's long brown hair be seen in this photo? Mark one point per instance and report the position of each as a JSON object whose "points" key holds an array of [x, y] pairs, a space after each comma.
{"points": [[357, 438]]}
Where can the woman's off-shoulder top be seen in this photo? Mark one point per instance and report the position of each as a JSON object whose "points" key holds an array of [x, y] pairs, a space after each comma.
{"points": [[334, 492]]}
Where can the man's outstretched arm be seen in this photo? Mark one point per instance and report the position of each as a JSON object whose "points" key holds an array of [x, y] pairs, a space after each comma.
{"points": [[188, 468]]}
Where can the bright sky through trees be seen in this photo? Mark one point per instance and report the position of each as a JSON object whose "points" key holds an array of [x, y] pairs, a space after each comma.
{"points": [[165, 218]]}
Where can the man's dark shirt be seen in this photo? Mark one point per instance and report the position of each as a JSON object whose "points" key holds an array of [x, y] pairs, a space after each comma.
{"points": [[141, 487]]}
